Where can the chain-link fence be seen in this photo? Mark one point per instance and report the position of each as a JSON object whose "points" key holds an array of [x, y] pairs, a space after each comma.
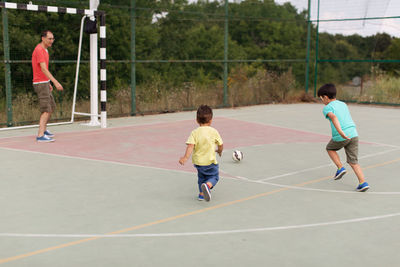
{"points": [[165, 56]]}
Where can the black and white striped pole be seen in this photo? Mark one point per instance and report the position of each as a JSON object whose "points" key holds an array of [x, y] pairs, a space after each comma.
{"points": [[103, 73]]}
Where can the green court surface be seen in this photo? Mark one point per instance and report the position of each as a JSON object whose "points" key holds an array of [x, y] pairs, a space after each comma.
{"points": [[118, 196]]}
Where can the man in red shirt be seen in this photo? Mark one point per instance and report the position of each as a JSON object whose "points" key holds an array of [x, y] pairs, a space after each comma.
{"points": [[42, 86]]}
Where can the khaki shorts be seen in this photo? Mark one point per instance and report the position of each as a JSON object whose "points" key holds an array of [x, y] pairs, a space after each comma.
{"points": [[46, 99], [350, 147]]}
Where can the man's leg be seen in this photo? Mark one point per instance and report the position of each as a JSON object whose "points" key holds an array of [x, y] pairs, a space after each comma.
{"points": [[48, 119], [44, 118], [46, 104]]}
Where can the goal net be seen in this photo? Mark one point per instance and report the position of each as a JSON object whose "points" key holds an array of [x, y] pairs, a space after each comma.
{"points": [[22, 25]]}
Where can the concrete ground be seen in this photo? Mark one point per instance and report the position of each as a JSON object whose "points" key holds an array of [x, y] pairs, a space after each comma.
{"points": [[118, 196]]}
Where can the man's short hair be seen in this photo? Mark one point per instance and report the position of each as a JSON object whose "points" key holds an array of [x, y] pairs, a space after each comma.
{"points": [[328, 89], [44, 33], [204, 114]]}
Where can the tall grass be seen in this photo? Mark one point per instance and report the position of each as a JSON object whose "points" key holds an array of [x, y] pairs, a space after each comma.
{"points": [[375, 89], [386, 89], [246, 86], [25, 109]]}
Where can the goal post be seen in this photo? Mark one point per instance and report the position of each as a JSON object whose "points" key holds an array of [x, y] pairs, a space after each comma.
{"points": [[100, 15]]}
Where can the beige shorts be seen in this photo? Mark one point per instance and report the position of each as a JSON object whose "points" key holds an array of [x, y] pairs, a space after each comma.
{"points": [[350, 147], [46, 99]]}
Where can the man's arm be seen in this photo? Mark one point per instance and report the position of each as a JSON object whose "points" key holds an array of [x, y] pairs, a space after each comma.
{"points": [[51, 77], [336, 123]]}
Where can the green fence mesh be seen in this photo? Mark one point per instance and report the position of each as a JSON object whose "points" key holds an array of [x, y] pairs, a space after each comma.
{"points": [[164, 56]]}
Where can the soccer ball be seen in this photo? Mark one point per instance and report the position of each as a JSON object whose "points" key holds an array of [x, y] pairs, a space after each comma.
{"points": [[237, 156]]}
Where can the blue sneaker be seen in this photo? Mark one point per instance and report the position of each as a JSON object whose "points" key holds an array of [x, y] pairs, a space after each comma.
{"points": [[206, 191], [339, 173], [200, 198], [49, 134], [362, 187], [44, 139]]}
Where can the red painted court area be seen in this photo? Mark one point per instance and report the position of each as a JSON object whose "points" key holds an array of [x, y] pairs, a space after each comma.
{"points": [[157, 145]]}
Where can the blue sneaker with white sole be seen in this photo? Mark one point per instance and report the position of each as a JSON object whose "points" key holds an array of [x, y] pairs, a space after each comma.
{"points": [[362, 187], [200, 198], [49, 134], [44, 139], [339, 173], [206, 191]]}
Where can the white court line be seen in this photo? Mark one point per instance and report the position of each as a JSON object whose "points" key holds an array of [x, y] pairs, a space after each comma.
{"points": [[97, 160], [308, 169], [329, 190], [310, 132], [279, 126], [323, 166], [293, 173], [264, 180], [310, 189], [232, 177], [184, 119], [78, 131], [237, 231]]}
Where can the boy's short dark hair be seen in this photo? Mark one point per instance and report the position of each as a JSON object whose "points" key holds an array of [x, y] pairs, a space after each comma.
{"points": [[328, 89], [204, 114]]}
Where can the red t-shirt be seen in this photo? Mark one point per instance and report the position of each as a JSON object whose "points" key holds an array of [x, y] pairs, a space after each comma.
{"points": [[39, 55]]}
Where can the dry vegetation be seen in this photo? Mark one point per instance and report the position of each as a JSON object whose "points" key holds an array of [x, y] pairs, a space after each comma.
{"points": [[376, 89], [246, 87]]}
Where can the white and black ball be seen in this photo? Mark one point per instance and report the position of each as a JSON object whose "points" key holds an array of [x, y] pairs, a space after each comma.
{"points": [[237, 156]]}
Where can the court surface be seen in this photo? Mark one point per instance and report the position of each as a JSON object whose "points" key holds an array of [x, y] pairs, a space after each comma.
{"points": [[118, 196]]}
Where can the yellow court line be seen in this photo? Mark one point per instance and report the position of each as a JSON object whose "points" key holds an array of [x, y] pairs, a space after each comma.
{"points": [[381, 164], [69, 244]]}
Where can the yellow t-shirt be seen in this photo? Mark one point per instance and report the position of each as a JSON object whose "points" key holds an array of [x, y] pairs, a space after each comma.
{"points": [[204, 139]]}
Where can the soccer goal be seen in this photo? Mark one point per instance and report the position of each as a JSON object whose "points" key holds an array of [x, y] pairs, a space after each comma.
{"points": [[22, 25]]}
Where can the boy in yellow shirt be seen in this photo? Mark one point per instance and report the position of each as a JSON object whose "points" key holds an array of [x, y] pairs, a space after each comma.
{"points": [[202, 142]]}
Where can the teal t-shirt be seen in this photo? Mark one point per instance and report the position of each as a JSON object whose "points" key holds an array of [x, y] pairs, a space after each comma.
{"points": [[342, 112]]}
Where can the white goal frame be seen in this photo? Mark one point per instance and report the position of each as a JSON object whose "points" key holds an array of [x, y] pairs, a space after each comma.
{"points": [[103, 74]]}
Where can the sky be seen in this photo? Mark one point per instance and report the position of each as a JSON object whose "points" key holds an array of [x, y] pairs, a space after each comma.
{"points": [[341, 9]]}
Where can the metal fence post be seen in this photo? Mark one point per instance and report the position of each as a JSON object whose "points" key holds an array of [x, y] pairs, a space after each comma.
{"points": [[316, 54], [308, 44], [7, 69], [226, 56], [133, 58]]}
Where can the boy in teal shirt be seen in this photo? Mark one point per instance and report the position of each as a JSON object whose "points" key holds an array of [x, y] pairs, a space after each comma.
{"points": [[344, 134], [202, 142]]}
